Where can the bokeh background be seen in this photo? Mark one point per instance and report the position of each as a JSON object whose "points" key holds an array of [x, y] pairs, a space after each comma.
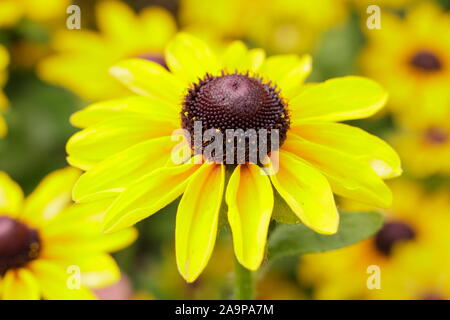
{"points": [[52, 72]]}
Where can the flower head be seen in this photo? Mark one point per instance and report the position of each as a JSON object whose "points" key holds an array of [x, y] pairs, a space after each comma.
{"points": [[83, 57], [44, 240], [425, 146], [410, 251], [127, 149], [417, 47]]}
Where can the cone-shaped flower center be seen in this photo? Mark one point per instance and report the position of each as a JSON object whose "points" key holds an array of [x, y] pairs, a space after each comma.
{"points": [[426, 61], [18, 244], [391, 234], [240, 103]]}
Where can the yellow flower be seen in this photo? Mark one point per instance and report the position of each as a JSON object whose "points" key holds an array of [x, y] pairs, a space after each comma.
{"points": [[282, 26], [11, 11], [128, 152], [4, 61], [51, 249], [412, 232], [411, 58], [425, 145], [83, 57]]}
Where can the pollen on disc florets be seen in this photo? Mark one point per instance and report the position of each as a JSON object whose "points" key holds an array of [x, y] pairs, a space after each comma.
{"points": [[19, 244], [236, 101]]}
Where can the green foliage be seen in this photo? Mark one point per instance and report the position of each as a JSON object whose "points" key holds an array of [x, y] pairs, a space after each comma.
{"points": [[298, 239]]}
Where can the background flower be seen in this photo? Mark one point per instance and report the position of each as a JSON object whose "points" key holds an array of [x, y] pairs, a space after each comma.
{"points": [[43, 237], [83, 57]]}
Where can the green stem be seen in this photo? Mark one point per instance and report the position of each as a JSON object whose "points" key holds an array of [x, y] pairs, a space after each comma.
{"points": [[244, 282]]}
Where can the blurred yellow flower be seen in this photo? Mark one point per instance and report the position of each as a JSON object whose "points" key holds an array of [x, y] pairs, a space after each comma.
{"points": [[4, 61], [11, 11], [83, 57], [126, 146], [425, 145], [45, 241], [282, 26], [407, 250], [411, 57]]}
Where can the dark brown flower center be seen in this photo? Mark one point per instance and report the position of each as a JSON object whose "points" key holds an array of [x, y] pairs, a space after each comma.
{"points": [[426, 61], [436, 135], [19, 244], [391, 234], [236, 103]]}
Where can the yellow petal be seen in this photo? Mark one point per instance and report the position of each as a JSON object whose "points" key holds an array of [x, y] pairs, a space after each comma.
{"points": [[11, 196], [51, 196], [190, 58], [238, 58], [83, 218], [57, 283], [288, 72], [20, 284], [97, 270], [147, 195], [307, 192], [354, 142], [150, 107], [338, 99], [159, 24], [117, 21], [96, 143], [89, 78], [197, 218], [148, 78], [249, 197], [349, 177], [84, 42], [114, 174], [69, 243]]}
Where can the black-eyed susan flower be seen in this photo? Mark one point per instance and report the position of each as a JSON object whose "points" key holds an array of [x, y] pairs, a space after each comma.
{"points": [[12, 11], [410, 56], [282, 26], [4, 60], [51, 249], [127, 148], [83, 57], [410, 245], [425, 145]]}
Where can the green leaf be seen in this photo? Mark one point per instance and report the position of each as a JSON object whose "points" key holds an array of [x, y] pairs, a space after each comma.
{"points": [[287, 240]]}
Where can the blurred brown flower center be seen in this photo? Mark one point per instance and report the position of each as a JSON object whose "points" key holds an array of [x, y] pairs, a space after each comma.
{"points": [[426, 61], [19, 244], [391, 234], [436, 135]]}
